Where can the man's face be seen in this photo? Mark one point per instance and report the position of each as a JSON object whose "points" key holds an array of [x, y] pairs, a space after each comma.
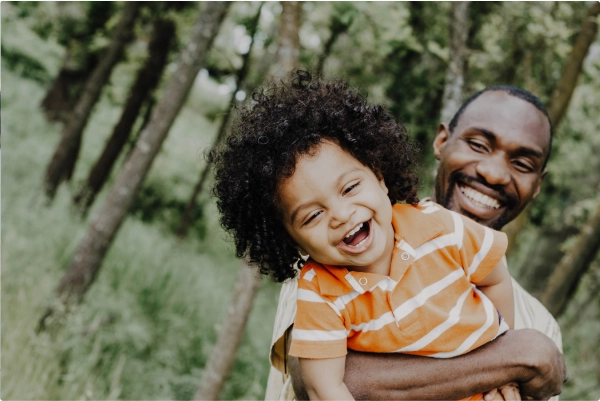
{"points": [[491, 166]]}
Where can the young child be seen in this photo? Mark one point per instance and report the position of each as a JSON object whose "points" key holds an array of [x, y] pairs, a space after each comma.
{"points": [[312, 171]]}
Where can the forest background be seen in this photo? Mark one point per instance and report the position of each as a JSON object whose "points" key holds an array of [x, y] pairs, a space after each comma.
{"points": [[143, 320]]}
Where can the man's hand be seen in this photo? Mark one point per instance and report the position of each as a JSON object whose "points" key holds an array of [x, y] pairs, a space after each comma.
{"points": [[548, 370]]}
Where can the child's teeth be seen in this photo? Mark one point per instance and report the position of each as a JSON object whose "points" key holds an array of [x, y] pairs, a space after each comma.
{"points": [[355, 230]]}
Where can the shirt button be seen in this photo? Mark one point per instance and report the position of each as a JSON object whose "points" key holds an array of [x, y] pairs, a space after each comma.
{"points": [[405, 256], [362, 281]]}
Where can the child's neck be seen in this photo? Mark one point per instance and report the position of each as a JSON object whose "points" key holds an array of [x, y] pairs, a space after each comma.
{"points": [[383, 264]]}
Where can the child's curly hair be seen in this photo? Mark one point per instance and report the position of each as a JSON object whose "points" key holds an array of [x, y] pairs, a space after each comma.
{"points": [[291, 120]]}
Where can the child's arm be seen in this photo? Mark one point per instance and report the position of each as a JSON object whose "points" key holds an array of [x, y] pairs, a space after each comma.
{"points": [[324, 378], [497, 286]]}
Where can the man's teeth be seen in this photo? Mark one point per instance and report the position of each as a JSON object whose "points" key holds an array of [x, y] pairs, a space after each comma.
{"points": [[480, 198], [358, 227]]}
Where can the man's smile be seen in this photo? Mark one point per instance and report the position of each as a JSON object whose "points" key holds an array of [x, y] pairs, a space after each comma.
{"points": [[479, 198]]}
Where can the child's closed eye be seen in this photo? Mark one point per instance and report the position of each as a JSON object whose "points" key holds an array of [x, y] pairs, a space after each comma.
{"points": [[312, 217], [350, 188]]}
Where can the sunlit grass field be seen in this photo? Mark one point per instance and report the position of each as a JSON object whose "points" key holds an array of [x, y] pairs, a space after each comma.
{"points": [[149, 322]]}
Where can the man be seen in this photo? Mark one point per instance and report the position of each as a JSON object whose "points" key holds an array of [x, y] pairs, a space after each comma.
{"points": [[493, 158]]}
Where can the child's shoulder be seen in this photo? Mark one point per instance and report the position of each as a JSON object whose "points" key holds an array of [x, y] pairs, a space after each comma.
{"points": [[427, 212]]}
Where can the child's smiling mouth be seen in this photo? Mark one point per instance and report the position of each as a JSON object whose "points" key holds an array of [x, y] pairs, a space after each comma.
{"points": [[358, 240]]}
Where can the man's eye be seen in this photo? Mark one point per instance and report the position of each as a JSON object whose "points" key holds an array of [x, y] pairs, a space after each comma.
{"points": [[312, 217], [522, 166], [350, 188], [477, 146]]}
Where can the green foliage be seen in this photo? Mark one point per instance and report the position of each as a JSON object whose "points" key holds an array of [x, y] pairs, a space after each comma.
{"points": [[24, 65], [150, 321]]}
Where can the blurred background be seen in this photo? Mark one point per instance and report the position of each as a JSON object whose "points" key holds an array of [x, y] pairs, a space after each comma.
{"points": [[116, 276]]}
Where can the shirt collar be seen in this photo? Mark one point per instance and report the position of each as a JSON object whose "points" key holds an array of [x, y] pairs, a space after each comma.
{"points": [[411, 225]]}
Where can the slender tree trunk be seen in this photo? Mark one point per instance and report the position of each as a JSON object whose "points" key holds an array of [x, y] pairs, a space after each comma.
{"points": [[104, 226], [459, 31], [64, 92], [217, 369], [188, 214], [147, 79], [68, 148], [572, 266], [221, 360], [288, 45], [572, 69]]}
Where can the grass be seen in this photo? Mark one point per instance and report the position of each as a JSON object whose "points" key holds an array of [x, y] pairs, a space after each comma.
{"points": [[150, 320]]}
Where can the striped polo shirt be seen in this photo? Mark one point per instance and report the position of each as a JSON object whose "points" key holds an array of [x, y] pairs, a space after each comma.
{"points": [[428, 305]]}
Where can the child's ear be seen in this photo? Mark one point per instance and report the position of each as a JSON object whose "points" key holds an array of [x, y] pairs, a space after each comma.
{"points": [[382, 184]]}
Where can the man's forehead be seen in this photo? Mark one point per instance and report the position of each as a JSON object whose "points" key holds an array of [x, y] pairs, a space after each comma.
{"points": [[503, 114]]}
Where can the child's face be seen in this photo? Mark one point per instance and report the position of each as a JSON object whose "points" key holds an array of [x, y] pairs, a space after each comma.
{"points": [[337, 211]]}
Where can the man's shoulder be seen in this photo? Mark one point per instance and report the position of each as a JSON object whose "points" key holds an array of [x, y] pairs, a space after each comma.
{"points": [[532, 314]]}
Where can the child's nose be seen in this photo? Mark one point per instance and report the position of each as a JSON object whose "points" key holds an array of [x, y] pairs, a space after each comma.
{"points": [[342, 214]]}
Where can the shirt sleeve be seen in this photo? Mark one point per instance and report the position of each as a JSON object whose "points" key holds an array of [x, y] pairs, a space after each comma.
{"points": [[481, 250], [319, 331]]}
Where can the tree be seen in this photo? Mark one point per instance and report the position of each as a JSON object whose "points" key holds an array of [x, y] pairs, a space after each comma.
{"points": [[572, 266], [217, 368], [288, 44], [148, 76], [230, 336], [79, 60], [542, 259], [190, 209], [572, 69], [64, 158], [103, 228], [453, 88]]}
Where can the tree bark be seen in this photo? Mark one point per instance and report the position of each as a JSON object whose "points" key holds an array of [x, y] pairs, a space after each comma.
{"points": [[572, 69], [288, 45], [190, 209], [90, 253], [64, 92], [572, 266], [147, 79], [68, 147], [453, 89], [222, 357]]}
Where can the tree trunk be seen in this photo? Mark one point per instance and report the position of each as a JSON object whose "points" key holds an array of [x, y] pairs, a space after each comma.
{"points": [[104, 226], [222, 357], [64, 92], [459, 30], [188, 214], [573, 265], [147, 79], [288, 45], [574, 63], [217, 368], [68, 147]]}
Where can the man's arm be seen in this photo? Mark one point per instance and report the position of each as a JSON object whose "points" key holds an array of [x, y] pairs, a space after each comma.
{"points": [[524, 356]]}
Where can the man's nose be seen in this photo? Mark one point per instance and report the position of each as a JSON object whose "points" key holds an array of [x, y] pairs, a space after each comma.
{"points": [[494, 169]]}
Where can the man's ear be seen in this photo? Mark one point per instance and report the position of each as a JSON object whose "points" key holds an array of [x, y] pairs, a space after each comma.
{"points": [[539, 183], [441, 138]]}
